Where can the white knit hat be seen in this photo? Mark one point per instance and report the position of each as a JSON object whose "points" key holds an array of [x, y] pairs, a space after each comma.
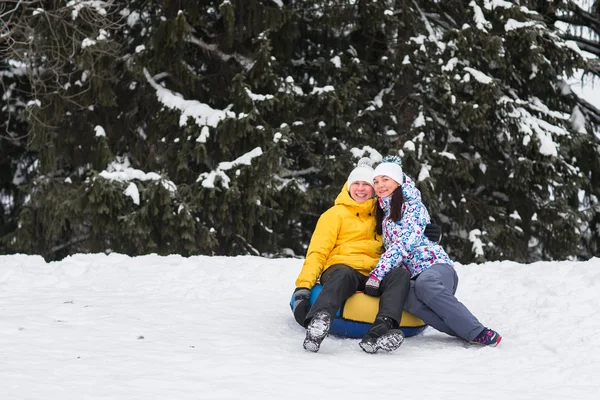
{"points": [[391, 166], [362, 172]]}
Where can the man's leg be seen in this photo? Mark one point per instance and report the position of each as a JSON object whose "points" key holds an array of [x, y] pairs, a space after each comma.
{"points": [[338, 285]]}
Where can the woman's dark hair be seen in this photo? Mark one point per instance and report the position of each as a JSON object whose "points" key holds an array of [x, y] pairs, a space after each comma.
{"points": [[395, 210]]}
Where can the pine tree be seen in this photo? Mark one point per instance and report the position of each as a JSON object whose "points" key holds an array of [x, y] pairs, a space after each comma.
{"points": [[580, 22], [16, 163], [61, 85], [138, 149], [493, 135], [228, 127]]}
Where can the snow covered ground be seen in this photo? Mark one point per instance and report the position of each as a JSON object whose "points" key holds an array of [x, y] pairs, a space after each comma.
{"points": [[118, 327]]}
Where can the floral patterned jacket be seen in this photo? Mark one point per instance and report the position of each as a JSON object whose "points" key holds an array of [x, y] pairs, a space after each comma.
{"points": [[405, 244]]}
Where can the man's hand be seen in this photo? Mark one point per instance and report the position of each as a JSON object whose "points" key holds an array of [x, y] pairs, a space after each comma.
{"points": [[301, 304]]}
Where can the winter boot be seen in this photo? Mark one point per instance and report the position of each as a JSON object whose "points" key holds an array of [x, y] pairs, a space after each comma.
{"points": [[384, 334], [317, 330], [488, 337]]}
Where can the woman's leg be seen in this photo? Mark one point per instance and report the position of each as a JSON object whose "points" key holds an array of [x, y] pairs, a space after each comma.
{"points": [[420, 310], [433, 300]]}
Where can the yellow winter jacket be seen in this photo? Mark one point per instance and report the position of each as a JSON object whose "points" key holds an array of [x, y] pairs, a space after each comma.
{"points": [[345, 234]]}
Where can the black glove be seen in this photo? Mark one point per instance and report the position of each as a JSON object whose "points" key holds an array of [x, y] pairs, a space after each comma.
{"points": [[372, 287], [301, 304], [433, 232]]}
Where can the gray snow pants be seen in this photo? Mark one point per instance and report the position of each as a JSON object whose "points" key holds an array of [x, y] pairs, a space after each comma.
{"points": [[431, 298]]}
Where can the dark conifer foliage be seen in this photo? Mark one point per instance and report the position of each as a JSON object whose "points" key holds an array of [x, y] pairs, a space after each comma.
{"points": [[15, 161], [579, 21], [228, 127], [495, 128]]}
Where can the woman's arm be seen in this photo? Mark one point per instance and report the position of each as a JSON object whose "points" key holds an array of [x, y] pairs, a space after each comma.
{"points": [[390, 259], [403, 237], [415, 218]]}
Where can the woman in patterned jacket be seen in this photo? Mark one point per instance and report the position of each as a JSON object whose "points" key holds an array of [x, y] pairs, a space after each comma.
{"points": [[401, 219]]}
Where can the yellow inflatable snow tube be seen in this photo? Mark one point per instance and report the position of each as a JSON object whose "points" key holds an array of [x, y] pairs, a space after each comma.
{"points": [[357, 314]]}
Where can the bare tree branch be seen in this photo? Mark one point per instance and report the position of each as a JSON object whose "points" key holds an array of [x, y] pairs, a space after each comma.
{"points": [[52, 46], [580, 16]]}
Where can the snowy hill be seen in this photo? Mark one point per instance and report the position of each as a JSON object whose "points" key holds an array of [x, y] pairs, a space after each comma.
{"points": [[120, 328]]}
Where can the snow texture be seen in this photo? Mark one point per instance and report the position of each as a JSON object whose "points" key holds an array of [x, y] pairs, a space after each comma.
{"points": [[121, 171], [126, 328], [203, 114], [99, 130], [133, 192], [208, 178]]}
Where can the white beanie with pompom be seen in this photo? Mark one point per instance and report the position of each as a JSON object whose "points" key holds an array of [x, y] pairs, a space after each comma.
{"points": [[362, 172], [390, 166]]}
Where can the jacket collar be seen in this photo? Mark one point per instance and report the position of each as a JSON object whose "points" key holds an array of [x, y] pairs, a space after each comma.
{"points": [[345, 199], [385, 203]]}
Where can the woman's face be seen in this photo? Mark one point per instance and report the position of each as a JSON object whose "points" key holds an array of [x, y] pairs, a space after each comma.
{"points": [[384, 185], [361, 191]]}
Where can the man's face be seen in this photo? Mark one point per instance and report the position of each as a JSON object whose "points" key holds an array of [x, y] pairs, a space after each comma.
{"points": [[361, 191]]}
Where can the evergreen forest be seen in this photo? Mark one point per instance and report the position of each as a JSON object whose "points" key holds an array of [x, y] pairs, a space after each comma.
{"points": [[226, 127]]}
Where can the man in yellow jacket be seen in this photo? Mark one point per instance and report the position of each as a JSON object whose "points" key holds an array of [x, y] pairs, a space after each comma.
{"points": [[343, 250]]}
